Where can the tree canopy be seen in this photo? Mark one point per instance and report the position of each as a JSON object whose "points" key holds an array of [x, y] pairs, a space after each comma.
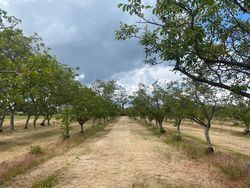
{"points": [[208, 41]]}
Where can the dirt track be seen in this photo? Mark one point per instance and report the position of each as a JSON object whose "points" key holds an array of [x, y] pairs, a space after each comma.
{"points": [[123, 155]]}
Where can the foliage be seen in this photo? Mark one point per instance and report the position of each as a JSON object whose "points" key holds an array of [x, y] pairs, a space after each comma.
{"points": [[65, 126], [34, 82], [208, 41], [36, 150]]}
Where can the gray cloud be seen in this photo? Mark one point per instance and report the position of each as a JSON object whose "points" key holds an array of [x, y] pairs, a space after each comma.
{"points": [[80, 33]]}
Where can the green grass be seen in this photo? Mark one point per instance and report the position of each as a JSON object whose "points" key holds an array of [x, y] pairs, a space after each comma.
{"points": [[17, 117], [36, 150], [49, 182]]}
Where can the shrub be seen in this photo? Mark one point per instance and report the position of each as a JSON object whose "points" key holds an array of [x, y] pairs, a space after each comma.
{"points": [[36, 150]]}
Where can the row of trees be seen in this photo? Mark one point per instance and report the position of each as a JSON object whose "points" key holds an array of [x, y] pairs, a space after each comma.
{"points": [[33, 82], [208, 42], [187, 100]]}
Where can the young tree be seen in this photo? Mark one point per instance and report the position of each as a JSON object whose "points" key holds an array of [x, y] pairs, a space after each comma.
{"points": [[157, 105], [82, 105], [241, 112], [177, 104], [66, 119], [141, 102], [206, 101]]}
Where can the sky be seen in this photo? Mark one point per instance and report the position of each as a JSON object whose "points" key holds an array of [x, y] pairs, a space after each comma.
{"points": [[81, 34]]}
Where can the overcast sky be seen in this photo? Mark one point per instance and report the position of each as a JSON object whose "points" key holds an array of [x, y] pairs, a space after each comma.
{"points": [[81, 33]]}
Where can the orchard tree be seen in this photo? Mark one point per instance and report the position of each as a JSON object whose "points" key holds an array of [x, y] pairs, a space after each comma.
{"points": [[82, 105], [208, 41], [157, 105], [105, 89], [15, 49], [177, 104], [121, 97], [66, 120], [141, 103], [241, 112], [205, 102], [150, 105]]}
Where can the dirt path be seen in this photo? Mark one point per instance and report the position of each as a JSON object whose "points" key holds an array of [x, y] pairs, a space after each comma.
{"points": [[121, 156]]}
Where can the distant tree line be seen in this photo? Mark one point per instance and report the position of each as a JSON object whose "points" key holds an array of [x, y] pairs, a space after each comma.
{"points": [[178, 101]]}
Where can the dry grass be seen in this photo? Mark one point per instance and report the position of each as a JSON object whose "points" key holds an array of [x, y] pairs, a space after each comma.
{"points": [[232, 164], [20, 164], [233, 167], [157, 183]]}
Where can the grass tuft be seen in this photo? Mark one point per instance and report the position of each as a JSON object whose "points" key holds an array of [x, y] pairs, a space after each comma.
{"points": [[49, 182], [36, 150]]}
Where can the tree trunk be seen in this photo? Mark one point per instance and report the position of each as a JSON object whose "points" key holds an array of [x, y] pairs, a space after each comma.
{"points": [[49, 118], [210, 149], [12, 118], [156, 123], [67, 133], [82, 128], [247, 129], [162, 130], [27, 122], [35, 119], [2, 120], [43, 122], [178, 128], [93, 122]]}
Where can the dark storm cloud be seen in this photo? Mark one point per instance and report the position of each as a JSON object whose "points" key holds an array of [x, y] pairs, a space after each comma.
{"points": [[80, 33]]}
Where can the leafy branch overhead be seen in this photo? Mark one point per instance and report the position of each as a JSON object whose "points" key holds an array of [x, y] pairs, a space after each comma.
{"points": [[209, 41]]}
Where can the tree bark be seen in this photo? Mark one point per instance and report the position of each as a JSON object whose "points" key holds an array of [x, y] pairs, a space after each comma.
{"points": [[35, 119], [2, 120], [43, 122], [247, 129], [210, 149], [27, 122], [93, 122], [178, 128], [48, 119], [82, 128], [12, 118], [162, 130], [209, 144], [157, 125]]}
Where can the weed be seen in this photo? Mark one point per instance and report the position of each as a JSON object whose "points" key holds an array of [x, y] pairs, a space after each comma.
{"points": [[49, 182], [36, 150]]}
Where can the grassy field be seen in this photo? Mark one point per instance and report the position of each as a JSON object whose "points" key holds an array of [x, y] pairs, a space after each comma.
{"points": [[125, 153]]}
